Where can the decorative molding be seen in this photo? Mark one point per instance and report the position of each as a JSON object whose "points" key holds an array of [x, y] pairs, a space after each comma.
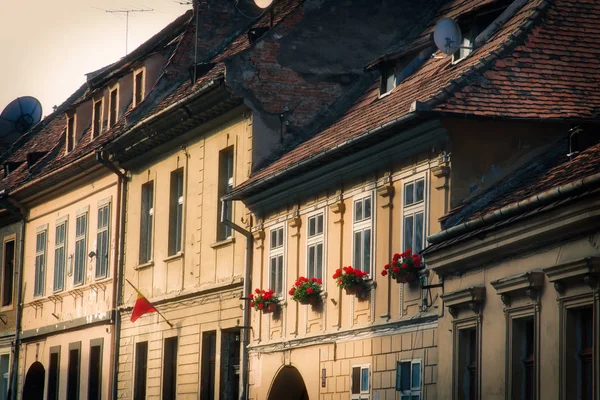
{"points": [[386, 192], [259, 237], [584, 270], [527, 283], [442, 171], [471, 297]]}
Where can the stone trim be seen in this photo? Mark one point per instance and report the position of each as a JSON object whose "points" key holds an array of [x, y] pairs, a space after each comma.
{"points": [[471, 297], [528, 282], [586, 270]]}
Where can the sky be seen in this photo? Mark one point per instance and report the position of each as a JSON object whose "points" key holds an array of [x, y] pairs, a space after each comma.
{"points": [[47, 46]]}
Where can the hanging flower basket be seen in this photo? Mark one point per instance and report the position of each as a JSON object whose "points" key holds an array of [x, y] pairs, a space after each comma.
{"points": [[353, 281], [263, 300], [404, 268], [307, 291]]}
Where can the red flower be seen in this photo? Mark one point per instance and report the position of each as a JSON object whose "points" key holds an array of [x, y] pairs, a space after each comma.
{"points": [[292, 291], [404, 265], [339, 281], [257, 290], [408, 252], [251, 304], [396, 257], [261, 306], [387, 266], [314, 279], [384, 272], [319, 281], [309, 291], [251, 295], [395, 270]]}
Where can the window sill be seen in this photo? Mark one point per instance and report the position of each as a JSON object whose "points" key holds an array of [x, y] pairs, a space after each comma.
{"points": [[174, 257], [223, 243], [144, 266]]}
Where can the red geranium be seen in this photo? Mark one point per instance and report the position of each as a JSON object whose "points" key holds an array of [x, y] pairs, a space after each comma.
{"points": [[404, 267], [348, 277], [305, 289], [263, 298]]}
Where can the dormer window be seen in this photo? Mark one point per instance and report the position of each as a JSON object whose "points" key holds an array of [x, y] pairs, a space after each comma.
{"points": [[113, 110], [97, 119], [71, 138], [138, 87], [388, 80]]}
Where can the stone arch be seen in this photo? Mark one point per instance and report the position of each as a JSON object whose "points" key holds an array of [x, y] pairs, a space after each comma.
{"points": [[33, 389], [289, 385]]}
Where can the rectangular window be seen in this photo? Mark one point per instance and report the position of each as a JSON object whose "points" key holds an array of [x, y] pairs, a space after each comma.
{"points": [[138, 94], [169, 391], [54, 373], [276, 250], [80, 249], [141, 371], [408, 379], [176, 212], [467, 372], [95, 371], [361, 383], [413, 220], [146, 222], [40, 263], [102, 241], [73, 371], [114, 109], [60, 255], [4, 374], [523, 358], [225, 186], [97, 119], [70, 133], [315, 243], [209, 354], [362, 227], [8, 273], [388, 80], [580, 357]]}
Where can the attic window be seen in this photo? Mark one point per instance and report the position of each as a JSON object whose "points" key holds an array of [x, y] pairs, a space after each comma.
{"points": [[70, 133], [138, 87], [113, 107], [388, 80], [97, 119]]}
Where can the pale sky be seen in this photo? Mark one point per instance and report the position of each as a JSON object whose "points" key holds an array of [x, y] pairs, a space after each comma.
{"points": [[47, 46]]}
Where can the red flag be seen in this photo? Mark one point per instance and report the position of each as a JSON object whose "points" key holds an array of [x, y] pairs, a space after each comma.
{"points": [[141, 307]]}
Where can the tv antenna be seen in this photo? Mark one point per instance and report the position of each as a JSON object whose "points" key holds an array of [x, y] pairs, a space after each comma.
{"points": [[127, 12]]}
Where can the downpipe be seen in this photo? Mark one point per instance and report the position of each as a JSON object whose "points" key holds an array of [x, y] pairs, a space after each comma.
{"points": [[243, 395]]}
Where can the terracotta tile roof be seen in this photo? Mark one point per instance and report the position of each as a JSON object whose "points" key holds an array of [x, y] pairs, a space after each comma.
{"points": [[525, 70]]}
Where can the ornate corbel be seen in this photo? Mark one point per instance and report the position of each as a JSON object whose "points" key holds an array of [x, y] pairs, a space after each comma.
{"points": [[453, 311], [505, 299], [559, 287], [259, 237], [386, 192]]}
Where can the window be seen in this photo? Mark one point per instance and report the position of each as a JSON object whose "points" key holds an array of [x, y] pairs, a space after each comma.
{"points": [[97, 119], [114, 107], [70, 133], [523, 359], [60, 255], [73, 371], [209, 354], [362, 234], [54, 373], [276, 250], [138, 89], [230, 363], [413, 216], [388, 80], [169, 390], [102, 241], [4, 375], [314, 253], [8, 273], [80, 248], [40, 263], [95, 371], [361, 382], [579, 355], [141, 371], [408, 379], [147, 215], [225, 186], [467, 372], [176, 212]]}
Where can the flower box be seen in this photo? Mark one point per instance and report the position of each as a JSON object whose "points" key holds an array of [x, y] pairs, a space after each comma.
{"points": [[306, 291], [271, 308], [353, 281], [263, 300], [404, 268], [312, 300]]}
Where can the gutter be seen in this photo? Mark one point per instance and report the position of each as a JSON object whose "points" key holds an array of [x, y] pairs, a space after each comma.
{"points": [[244, 363], [118, 269], [538, 200]]}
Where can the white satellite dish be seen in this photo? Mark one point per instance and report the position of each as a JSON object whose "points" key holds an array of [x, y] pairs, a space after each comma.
{"points": [[263, 3], [447, 36]]}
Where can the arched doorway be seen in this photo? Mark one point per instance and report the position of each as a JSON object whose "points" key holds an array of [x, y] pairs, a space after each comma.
{"points": [[289, 385], [34, 382]]}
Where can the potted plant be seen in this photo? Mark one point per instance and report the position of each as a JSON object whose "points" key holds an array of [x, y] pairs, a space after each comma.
{"points": [[404, 267], [264, 300], [353, 281], [307, 291]]}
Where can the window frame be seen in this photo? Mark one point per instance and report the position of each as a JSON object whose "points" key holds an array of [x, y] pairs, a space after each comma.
{"points": [[101, 230], [83, 237], [56, 395], [225, 232], [137, 72], [411, 391], [74, 346], [64, 245], [95, 343], [136, 382], [10, 304], [314, 241], [111, 90], [361, 226], [457, 327], [278, 251], [176, 212], [413, 209], [40, 271], [96, 131], [512, 315], [362, 394], [149, 239], [71, 132], [6, 379]]}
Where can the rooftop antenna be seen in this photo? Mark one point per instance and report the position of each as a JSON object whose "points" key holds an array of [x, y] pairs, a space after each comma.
{"points": [[127, 12]]}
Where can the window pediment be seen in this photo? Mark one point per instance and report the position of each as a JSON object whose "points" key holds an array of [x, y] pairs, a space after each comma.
{"points": [[527, 283], [471, 297], [585, 270]]}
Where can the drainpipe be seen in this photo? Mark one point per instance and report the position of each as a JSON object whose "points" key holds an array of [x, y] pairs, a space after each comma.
{"points": [[15, 364], [246, 318], [118, 273]]}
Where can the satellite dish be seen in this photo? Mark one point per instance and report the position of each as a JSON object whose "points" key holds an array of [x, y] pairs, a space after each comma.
{"points": [[20, 115], [263, 3], [447, 36]]}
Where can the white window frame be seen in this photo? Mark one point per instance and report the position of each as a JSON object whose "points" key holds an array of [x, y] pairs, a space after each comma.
{"points": [[41, 279], [414, 208], [100, 230], [277, 252], [361, 226], [314, 240], [364, 394], [413, 390], [151, 213], [57, 246], [78, 238], [135, 88]]}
